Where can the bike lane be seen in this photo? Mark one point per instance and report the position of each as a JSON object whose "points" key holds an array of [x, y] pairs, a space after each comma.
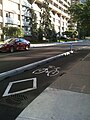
{"points": [[20, 90], [14, 98]]}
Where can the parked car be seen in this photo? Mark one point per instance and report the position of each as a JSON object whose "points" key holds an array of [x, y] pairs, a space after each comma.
{"points": [[15, 44]]}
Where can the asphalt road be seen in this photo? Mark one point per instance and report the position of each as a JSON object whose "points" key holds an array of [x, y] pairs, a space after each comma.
{"points": [[9, 61], [13, 97]]}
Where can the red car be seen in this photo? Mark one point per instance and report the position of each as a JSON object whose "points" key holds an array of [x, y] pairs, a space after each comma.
{"points": [[15, 44]]}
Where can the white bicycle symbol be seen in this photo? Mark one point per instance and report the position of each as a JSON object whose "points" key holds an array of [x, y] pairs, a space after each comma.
{"points": [[50, 71]]}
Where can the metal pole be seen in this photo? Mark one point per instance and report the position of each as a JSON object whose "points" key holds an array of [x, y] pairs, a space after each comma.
{"points": [[71, 46]]}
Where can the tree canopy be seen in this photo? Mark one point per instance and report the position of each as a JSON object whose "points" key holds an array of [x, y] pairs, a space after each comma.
{"points": [[33, 23], [80, 14], [12, 31], [45, 23]]}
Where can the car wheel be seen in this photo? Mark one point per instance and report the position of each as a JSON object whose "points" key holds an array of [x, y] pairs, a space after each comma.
{"points": [[11, 49], [27, 47]]}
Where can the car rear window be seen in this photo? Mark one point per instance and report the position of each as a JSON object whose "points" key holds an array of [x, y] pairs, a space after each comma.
{"points": [[22, 40]]}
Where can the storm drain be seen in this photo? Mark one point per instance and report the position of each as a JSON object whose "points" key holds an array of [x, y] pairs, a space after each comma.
{"points": [[15, 100]]}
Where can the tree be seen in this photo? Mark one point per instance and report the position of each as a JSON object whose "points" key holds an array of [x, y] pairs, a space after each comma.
{"points": [[33, 23], [12, 31], [40, 34], [70, 33], [80, 13], [45, 23]]}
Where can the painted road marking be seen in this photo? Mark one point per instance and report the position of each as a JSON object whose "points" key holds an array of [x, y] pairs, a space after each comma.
{"points": [[50, 71], [7, 91], [30, 66]]}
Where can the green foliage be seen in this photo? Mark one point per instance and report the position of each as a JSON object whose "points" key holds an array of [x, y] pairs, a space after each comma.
{"points": [[12, 31], [40, 34], [46, 30], [81, 15], [33, 22], [45, 23], [70, 33]]}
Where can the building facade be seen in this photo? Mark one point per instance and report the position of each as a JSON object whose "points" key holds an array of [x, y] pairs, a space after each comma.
{"points": [[59, 13], [16, 13]]}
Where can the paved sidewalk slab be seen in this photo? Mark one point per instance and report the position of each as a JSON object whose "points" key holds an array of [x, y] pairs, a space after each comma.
{"points": [[68, 98], [76, 79], [56, 104]]}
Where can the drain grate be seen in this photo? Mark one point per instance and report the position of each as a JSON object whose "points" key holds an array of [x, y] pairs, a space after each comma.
{"points": [[14, 100]]}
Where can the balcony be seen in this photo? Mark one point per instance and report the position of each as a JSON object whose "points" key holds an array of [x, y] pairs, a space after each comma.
{"points": [[57, 10], [25, 13], [11, 21], [24, 23]]}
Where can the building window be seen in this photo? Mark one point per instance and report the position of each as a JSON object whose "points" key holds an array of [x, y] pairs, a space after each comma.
{"points": [[53, 19], [11, 15], [18, 6], [1, 25], [7, 14], [27, 19], [63, 28], [58, 21], [1, 13], [26, 28], [18, 17]]}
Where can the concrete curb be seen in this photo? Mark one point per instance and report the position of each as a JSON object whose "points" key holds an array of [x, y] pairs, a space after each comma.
{"points": [[53, 44], [30, 66]]}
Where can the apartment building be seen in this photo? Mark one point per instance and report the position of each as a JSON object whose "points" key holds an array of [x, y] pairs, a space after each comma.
{"points": [[59, 13], [16, 13]]}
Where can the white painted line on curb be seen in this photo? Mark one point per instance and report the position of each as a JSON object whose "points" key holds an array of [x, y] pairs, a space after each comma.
{"points": [[30, 66]]}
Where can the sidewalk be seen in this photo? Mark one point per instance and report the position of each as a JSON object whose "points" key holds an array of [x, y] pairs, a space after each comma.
{"points": [[68, 98]]}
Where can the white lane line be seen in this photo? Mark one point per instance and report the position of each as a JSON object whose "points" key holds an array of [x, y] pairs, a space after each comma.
{"points": [[7, 93], [30, 66]]}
